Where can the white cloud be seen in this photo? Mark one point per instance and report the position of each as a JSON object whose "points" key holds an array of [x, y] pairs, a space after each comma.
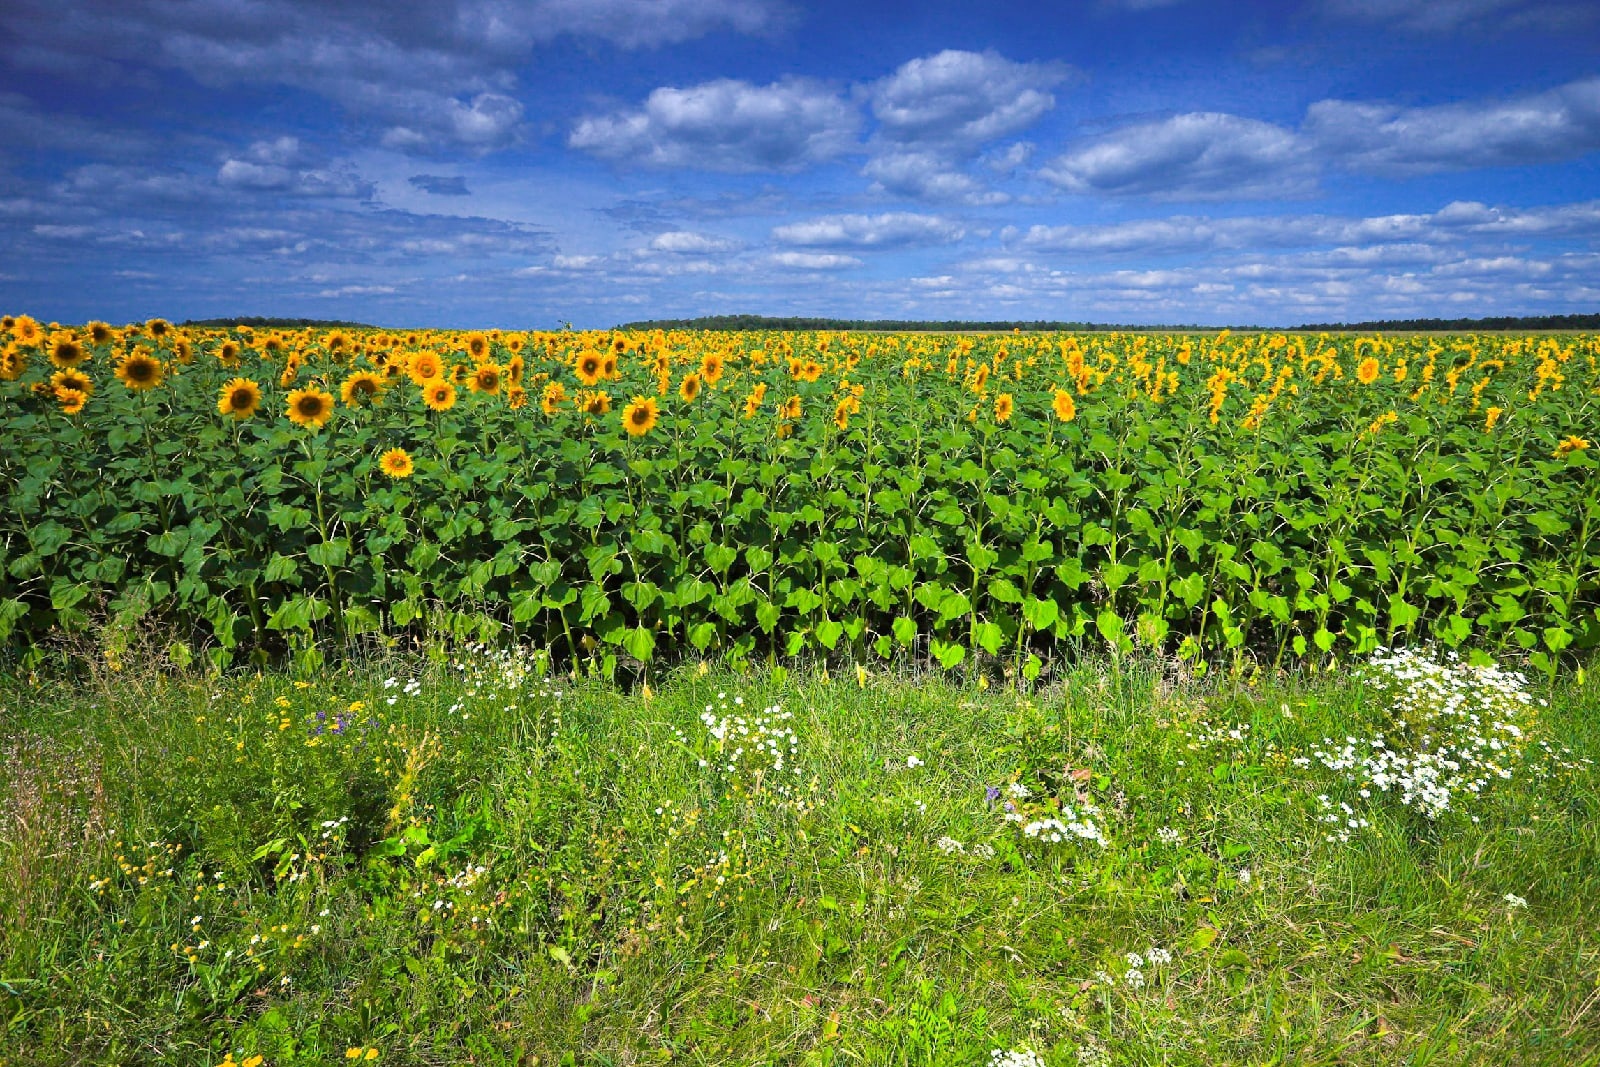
{"points": [[926, 176], [893, 229], [726, 125], [962, 99], [433, 76], [268, 177], [687, 242], [813, 260], [1560, 124], [936, 113], [1183, 234], [1194, 156]]}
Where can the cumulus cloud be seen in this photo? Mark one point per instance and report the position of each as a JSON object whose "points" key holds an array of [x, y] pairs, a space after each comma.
{"points": [[928, 176], [962, 99], [1372, 237], [1563, 123], [686, 242], [936, 113], [1196, 156], [431, 76], [726, 125], [895, 229], [813, 260]]}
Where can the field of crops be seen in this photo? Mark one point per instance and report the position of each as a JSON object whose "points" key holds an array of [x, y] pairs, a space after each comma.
{"points": [[621, 497]]}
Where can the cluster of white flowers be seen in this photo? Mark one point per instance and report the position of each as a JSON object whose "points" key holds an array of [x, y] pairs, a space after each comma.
{"points": [[1017, 1057], [1138, 964], [950, 846], [1078, 823], [468, 875], [1168, 836], [332, 828], [1451, 731], [760, 747], [411, 687]]}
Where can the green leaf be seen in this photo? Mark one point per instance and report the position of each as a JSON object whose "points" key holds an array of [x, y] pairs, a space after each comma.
{"points": [[828, 632], [949, 654], [640, 643], [989, 636]]}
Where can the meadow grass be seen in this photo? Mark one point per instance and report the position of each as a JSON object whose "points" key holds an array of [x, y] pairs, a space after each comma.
{"points": [[455, 858]]}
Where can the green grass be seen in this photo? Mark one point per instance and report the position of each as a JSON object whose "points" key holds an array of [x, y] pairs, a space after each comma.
{"points": [[638, 908]]}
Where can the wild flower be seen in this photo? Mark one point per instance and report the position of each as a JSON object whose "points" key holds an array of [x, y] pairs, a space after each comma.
{"points": [[1449, 731], [1014, 1058]]}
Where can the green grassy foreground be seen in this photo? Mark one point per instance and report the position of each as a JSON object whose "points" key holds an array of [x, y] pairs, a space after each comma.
{"points": [[476, 863]]}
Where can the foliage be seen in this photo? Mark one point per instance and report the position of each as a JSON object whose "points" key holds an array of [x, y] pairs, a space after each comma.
{"points": [[456, 856], [979, 500]]}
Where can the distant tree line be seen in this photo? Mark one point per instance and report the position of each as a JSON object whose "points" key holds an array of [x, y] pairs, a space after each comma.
{"points": [[1496, 322], [258, 322], [768, 322]]}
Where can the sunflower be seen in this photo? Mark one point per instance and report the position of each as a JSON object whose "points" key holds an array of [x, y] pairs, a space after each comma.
{"points": [[515, 344], [27, 331], [486, 379], [439, 395], [596, 403], [619, 345], [514, 368], [291, 371], [980, 379], [790, 408], [608, 367], [589, 366], [639, 417], [555, 394], [396, 463], [690, 387], [1065, 407], [140, 371], [157, 328], [13, 362], [810, 371], [711, 368], [239, 398], [1367, 372], [1493, 416], [66, 350], [516, 397], [183, 351], [425, 366], [477, 346], [336, 342], [752, 404], [361, 385], [271, 346], [72, 400], [841, 415], [460, 373], [1570, 444], [228, 354], [1003, 406], [72, 378], [310, 407]]}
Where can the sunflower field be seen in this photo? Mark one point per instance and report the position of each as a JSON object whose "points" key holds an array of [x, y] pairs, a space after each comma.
{"points": [[619, 497]]}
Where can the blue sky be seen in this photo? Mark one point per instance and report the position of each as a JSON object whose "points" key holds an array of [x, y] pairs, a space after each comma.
{"points": [[521, 163]]}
